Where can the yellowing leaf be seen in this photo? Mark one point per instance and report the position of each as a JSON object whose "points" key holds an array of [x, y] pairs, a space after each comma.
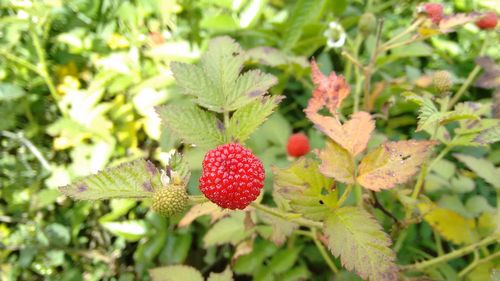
{"points": [[392, 163], [355, 236], [353, 135], [303, 185], [337, 163], [449, 23], [198, 210], [330, 91], [449, 224]]}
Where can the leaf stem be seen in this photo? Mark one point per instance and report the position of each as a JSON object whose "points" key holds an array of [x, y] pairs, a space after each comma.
{"points": [[369, 69], [323, 252], [472, 75], [452, 255], [344, 196], [287, 216], [43, 69], [197, 199], [477, 262]]}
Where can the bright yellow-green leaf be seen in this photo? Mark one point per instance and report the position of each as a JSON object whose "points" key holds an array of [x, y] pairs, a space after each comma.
{"points": [[136, 179], [226, 275], [355, 236], [174, 273], [304, 186], [337, 163], [449, 224], [392, 163]]}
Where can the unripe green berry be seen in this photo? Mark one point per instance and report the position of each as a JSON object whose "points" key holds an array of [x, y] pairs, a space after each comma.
{"points": [[367, 24], [442, 81], [170, 200]]}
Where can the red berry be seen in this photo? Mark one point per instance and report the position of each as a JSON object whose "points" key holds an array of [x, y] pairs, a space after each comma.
{"points": [[434, 11], [298, 145], [487, 21], [232, 176]]}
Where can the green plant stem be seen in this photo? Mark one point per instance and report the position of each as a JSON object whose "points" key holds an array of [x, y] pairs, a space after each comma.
{"points": [[22, 62], [476, 263], [34, 150], [370, 68], [464, 87], [357, 73], [197, 199], [410, 29], [439, 157], [43, 69], [323, 251], [472, 75], [439, 246], [344, 196], [296, 218], [452, 255]]}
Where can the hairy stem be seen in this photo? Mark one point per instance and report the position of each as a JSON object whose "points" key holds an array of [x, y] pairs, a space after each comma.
{"points": [[476, 263], [452, 255], [323, 251], [295, 218]]}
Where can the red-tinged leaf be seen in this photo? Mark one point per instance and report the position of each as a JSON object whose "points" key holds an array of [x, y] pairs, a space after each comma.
{"points": [[449, 23], [336, 162], [330, 91], [490, 79], [355, 236], [353, 135], [392, 163]]}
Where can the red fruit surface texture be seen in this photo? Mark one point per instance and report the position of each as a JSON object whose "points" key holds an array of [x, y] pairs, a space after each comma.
{"points": [[298, 145], [434, 11], [488, 21], [232, 176]]}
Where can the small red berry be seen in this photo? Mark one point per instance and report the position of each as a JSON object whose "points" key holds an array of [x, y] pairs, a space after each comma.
{"points": [[434, 11], [298, 145], [232, 176], [487, 21]]}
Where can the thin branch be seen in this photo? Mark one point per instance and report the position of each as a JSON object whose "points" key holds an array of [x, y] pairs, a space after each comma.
{"points": [[379, 206], [31, 147], [452, 255]]}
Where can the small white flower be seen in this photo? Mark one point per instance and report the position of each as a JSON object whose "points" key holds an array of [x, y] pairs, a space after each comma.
{"points": [[335, 35]]}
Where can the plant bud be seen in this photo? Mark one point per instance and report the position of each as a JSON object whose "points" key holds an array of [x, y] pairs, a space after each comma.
{"points": [[367, 24], [442, 81], [170, 200]]}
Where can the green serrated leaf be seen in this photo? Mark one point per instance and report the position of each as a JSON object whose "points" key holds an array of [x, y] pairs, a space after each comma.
{"points": [[355, 236], [216, 82], [193, 124], [174, 273], [228, 230], [226, 275], [136, 179], [482, 167], [488, 136], [303, 12], [248, 118], [304, 186]]}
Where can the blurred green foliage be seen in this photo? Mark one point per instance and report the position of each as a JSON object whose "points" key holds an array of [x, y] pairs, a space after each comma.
{"points": [[79, 81]]}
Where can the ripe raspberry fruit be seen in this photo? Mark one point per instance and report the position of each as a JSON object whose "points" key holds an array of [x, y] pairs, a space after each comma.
{"points": [[487, 21], [434, 11], [232, 176], [298, 145], [170, 200]]}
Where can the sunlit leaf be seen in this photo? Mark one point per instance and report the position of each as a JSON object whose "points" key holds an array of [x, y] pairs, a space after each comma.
{"points": [[174, 273], [392, 163], [360, 242], [198, 210], [216, 82], [193, 124], [136, 179], [337, 163], [448, 223], [132, 230], [306, 188], [247, 119]]}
